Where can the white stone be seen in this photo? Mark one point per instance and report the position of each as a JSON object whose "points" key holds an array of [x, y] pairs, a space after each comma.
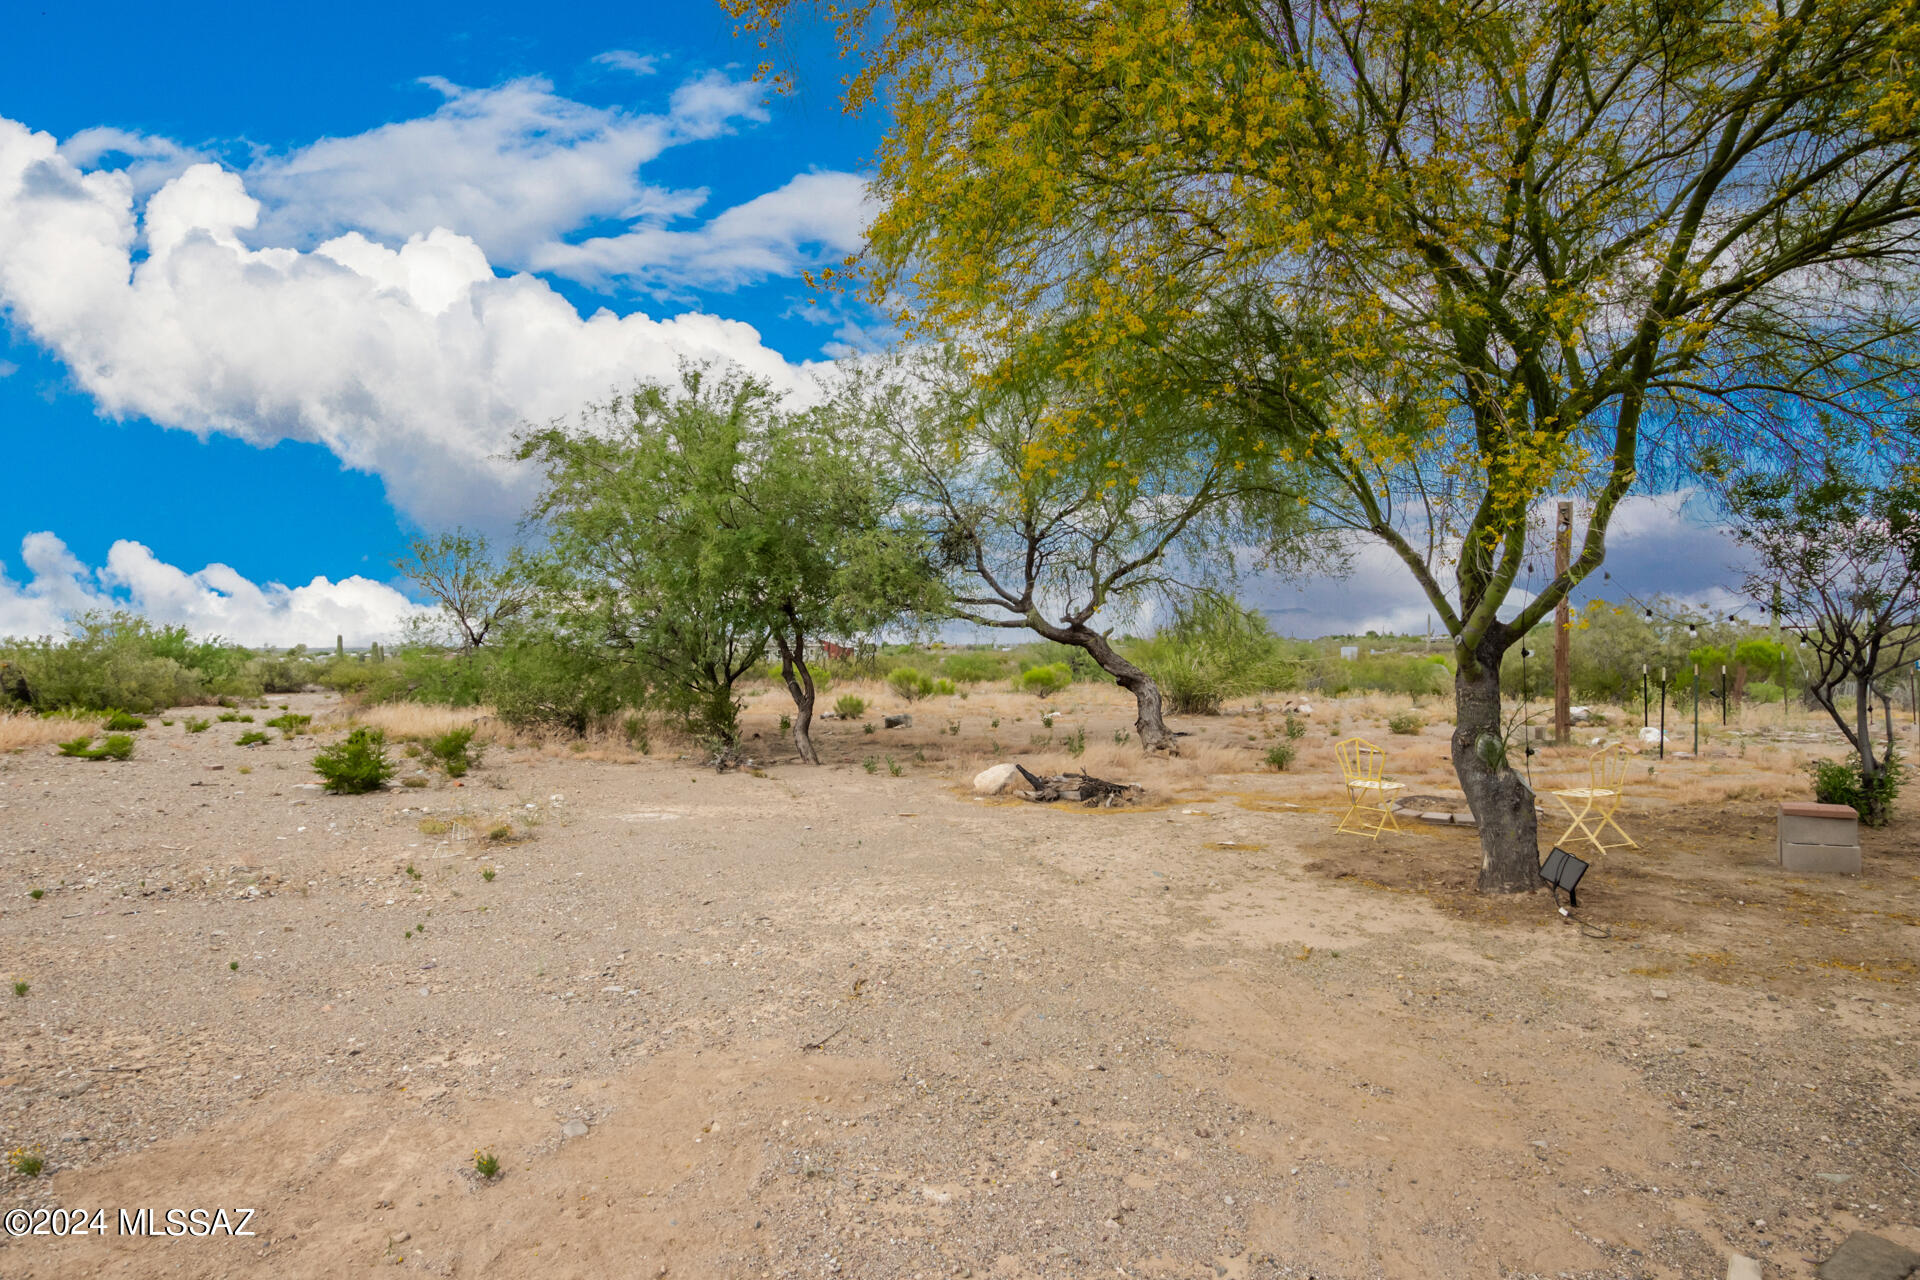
{"points": [[992, 781], [1741, 1267]]}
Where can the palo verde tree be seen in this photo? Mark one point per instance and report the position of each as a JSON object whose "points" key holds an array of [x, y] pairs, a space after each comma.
{"points": [[699, 523], [473, 590], [1457, 258], [1837, 545], [1053, 540]]}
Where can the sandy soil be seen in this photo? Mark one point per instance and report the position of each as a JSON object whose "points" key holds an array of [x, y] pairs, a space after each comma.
{"points": [[833, 1021]]}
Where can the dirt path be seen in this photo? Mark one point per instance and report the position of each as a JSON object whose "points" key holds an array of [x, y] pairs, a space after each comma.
{"points": [[1172, 1042]]}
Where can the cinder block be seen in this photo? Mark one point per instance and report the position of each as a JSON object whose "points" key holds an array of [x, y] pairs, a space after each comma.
{"points": [[1821, 858], [1798, 830]]}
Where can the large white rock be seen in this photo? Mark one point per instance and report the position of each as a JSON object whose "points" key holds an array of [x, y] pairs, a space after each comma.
{"points": [[992, 781]]}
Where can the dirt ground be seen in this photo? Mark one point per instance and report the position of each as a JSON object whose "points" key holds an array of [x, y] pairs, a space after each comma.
{"points": [[807, 1022]]}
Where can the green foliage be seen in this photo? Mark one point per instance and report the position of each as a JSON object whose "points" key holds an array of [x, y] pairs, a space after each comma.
{"points": [[851, 706], [978, 668], [123, 720], [251, 738], [1406, 722], [1842, 782], [910, 683], [870, 765], [455, 751], [196, 724], [291, 724], [1215, 650], [486, 1164], [544, 679], [894, 767], [1280, 756], [1296, 728], [118, 746], [634, 728], [1076, 742], [357, 765], [1044, 682]]}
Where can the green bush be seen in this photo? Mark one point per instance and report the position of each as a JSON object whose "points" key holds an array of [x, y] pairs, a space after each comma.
{"points": [[196, 724], [1296, 727], [911, 683], [1840, 782], [1280, 755], [850, 707], [357, 765], [1765, 691], [1215, 650], [974, 668], [118, 746], [291, 724], [125, 721], [1406, 722], [1044, 682], [455, 751], [251, 738], [543, 681]]}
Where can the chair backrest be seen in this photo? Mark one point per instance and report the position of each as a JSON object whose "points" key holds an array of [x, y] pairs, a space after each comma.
{"points": [[1608, 768], [1360, 760]]}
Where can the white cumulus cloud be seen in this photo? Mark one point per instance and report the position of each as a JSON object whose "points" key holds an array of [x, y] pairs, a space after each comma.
{"points": [[214, 600]]}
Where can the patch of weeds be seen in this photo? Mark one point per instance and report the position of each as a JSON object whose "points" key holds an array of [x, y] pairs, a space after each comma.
{"points": [[1296, 728], [487, 874], [20, 989], [1121, 737], [500, 833], [413, 751], [434, 827], [167, 722], [1406, 722], [953, 728], [1046, 719], [292, 725], [454, 750], [251, 738], [357, 765], [28, 1162], [894, 767], [851, 706], [414, 781], [994, 723], [1280, 755], [36, 894], [1041, 739], [413, 872], [231, 717], [786, 723], [125, 720], [246, 768], [1076, 742], [486, 1164], [196, 724], [233, 966], [118, 746], [870, 765], [638, 738]]}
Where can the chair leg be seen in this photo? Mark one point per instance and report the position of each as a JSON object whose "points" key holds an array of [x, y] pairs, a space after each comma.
{"points": [[1606, 820]]}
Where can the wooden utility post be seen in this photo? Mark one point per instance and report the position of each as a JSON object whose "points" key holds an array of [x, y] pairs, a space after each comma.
{"points": [[1563, 632]]}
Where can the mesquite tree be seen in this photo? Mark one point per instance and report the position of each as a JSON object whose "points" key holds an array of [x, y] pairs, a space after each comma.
{"points": [[1837, 546], [1459, 259]]}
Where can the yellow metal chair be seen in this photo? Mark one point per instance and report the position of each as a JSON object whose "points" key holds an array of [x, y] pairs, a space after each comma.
{"points": [[1369, 797], [1598, 801]]}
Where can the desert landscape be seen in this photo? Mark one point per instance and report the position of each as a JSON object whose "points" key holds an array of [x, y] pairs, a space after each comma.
{"points": [[854, 1020]]}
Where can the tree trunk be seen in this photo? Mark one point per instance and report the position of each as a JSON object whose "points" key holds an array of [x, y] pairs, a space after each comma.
{"points": [[1501, 801], [799, 681], [1150, 718]]}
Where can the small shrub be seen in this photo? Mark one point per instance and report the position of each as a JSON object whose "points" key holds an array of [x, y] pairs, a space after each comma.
{"points": [[20, 989], [870, 765], [168, 723], [635, 729], [80, 748], [486, 1164], [434, 827], [487, 874], [1296, 728], [1406, 722], [413, 872], [894, 767], [195, 724], [1840, 782], [974, 668], [28, 1162], [1076, 742], [850, 707], [455, 751], [500, 833], [229, 717], [1121, 737], [942, 688], [233, 966], [1280, 755], [357, 765], [123, 720], [866, 728], [786, 723], [290, 725], [36, 894], [118, 746], [251, 738], [911, 684], [1044, 682], [413, 782]]}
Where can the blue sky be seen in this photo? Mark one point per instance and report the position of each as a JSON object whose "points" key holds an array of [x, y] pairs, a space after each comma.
{"points": [[279, 284]]}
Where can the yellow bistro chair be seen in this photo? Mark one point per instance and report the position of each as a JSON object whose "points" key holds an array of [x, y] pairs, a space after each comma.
{"points": [[1598, 801], [1369, 797]]}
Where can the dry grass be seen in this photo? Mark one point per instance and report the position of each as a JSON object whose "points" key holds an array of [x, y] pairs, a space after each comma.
{"points": [[405, 721], [20, 730]]}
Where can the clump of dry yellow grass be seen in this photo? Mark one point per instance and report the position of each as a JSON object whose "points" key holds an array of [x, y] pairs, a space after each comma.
{"points": [[20, 730], [404, 720]]}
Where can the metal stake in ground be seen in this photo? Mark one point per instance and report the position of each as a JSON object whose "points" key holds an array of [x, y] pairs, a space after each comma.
{"points": [[1696, 708], [1663, 713]]}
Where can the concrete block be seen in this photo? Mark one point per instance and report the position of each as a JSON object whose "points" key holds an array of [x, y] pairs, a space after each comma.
{"points": [[1869, 1257], [1833, 859], [1741, 1267], [1798, 830]]}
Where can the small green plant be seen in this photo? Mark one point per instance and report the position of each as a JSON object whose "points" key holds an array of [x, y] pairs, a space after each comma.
{"points": [[786, 723], [1406, 722], [866, 728], [28, 1162], [80, 748], [994, 723], [357, 765], [1076, 742], [912, 684], [1296, 727], [118, 746], [290, 725], [36, 894], [124, 720], [500, 832], [227, 717], [166, 722], [635, 728], [487, 874], [413, 872], [20, 989], [1045, 681], [850, 707], [870, 765], [1121, 737], [894, 767], [455, 751], [196, 724], [486, 1164], [233, 966], [1280, 755], [942, 688], [1839, 782], [251, 738], [434, 827], [953, 728]]}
